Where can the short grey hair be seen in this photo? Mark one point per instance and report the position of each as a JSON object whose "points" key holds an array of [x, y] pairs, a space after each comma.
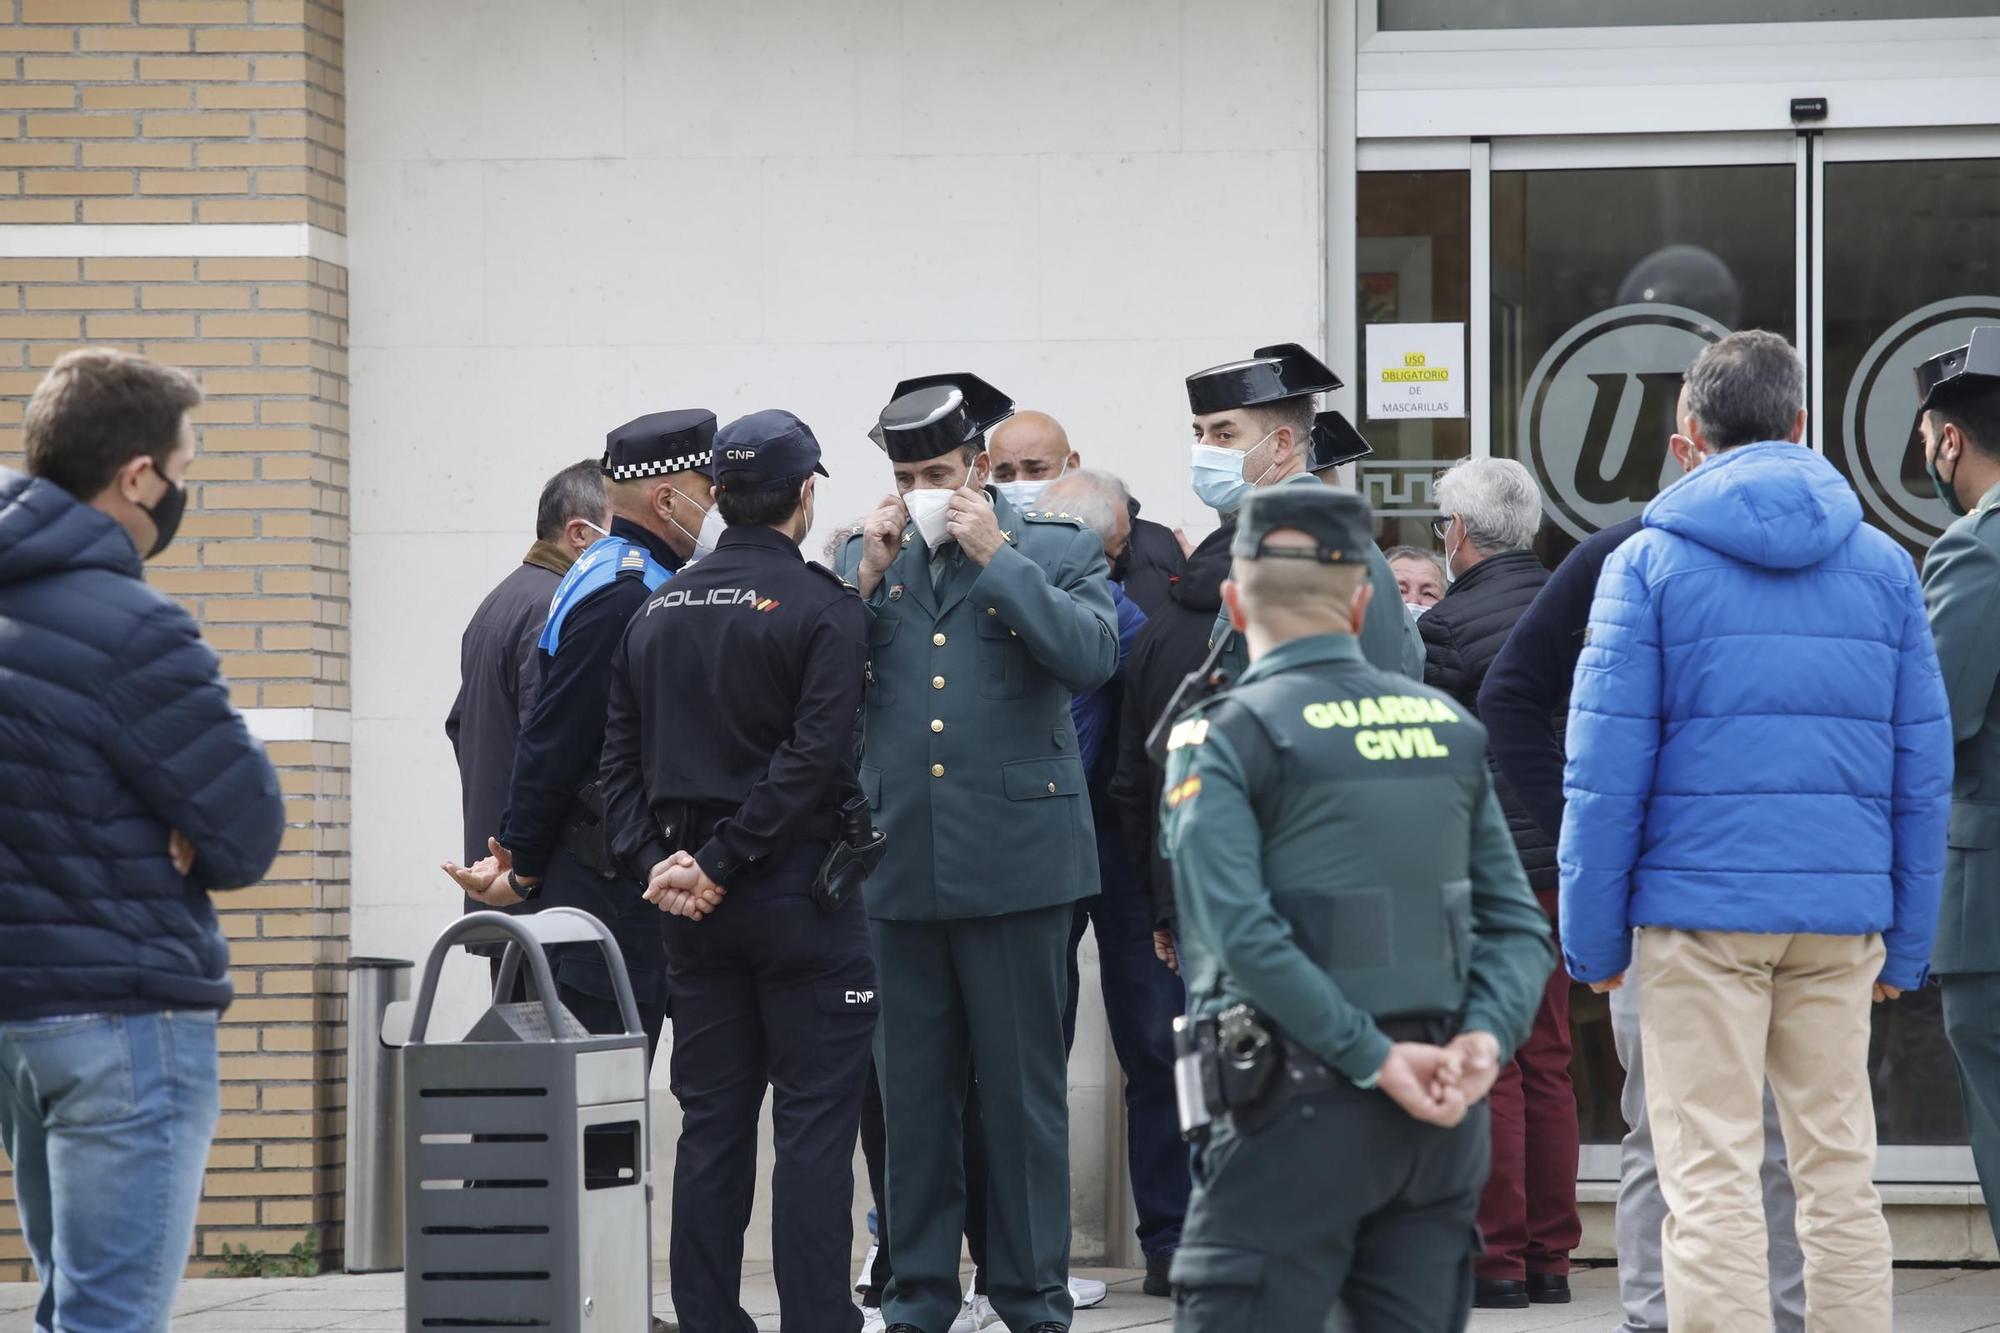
{"points": [[1746, 389], [1497, 501], [575, 492], [1395, 553], [1098, 498]]}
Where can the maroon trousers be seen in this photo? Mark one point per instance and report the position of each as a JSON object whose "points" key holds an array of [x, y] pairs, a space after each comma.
{"points": [[1528, 1213]]}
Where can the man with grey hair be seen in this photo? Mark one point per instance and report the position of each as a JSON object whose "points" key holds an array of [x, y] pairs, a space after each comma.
{"points": [[1491, 510], [1141, 997], [1759, 779]]}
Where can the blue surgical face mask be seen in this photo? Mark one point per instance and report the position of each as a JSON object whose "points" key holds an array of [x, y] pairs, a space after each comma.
{"points": [[1023, 494], [1217, 475]]}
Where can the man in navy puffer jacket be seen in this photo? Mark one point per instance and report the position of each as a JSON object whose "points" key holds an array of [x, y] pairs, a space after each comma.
{"points": [[128, 788], [1759, 777]]}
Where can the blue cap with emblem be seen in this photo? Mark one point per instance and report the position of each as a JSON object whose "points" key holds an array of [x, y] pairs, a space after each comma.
{"points": [[659, 443], [768, 448]]}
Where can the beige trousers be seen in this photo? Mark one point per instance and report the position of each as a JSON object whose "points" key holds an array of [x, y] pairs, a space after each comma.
{"points": [[1719, 1013]]}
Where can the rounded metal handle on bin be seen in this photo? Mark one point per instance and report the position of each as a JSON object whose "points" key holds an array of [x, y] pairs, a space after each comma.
{"points": [[525, 936]]}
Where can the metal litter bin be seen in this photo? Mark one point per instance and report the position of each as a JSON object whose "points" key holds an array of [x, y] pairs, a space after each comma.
{"points": [[526, 1147], [374, 1230]]}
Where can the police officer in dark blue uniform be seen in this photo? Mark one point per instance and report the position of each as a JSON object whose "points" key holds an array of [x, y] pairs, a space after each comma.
{"points": [[550, 848], [730, 754]]}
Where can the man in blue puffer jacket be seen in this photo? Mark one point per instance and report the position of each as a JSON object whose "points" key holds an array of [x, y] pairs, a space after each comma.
{"points": [[1759, 779], [128, 788]]}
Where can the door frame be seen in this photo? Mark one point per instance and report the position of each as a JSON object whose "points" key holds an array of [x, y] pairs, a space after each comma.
{"points": [[1807, 152]]}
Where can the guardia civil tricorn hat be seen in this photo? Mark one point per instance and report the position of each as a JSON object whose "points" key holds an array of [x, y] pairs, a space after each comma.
{"points": [[934, 414], [1973, 366]]}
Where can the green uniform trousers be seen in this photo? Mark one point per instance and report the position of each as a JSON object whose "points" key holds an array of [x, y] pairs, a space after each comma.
{"points": [[985, 993], [1340, 1199], [1972, 1022]]}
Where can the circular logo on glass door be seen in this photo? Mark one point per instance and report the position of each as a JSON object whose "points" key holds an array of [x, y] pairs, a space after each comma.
{"points": [[1878, 423], [1599, 409]]}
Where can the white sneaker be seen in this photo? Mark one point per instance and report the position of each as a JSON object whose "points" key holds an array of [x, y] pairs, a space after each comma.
{"points": [[867, 1269], [871, 1320], [1085, 1292], [977, 1314]]}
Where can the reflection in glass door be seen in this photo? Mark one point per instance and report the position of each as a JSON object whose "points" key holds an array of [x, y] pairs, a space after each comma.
{"points": [[1606, 283]]}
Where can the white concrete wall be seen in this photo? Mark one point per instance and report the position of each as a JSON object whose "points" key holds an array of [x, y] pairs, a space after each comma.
{"points": [[565, 213]]}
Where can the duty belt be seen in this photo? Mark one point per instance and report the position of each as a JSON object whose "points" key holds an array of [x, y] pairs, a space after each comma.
{"points": [[1238, 1064]]}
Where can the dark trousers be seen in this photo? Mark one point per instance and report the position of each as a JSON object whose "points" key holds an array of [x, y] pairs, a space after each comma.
{"points": [[1141, 1000], [874, 1149], [990, 992], [597, 1015], [1342, 1199], [1528, 1213], [768, 991], [1972, 1022]]}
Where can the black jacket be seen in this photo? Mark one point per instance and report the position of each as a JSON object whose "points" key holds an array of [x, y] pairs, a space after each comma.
{"points": [[561, 744], [1173, 644], [115, 730], [1462, 635], [737, 690], [1151, 563], [1526, 692], [497, 679]]}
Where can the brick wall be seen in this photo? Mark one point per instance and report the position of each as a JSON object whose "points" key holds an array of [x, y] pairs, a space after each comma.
{"points": [[219, 111], [119, 111]]}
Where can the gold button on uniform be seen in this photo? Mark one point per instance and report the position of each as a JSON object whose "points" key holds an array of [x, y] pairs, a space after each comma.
{"points": [[937, 724], [937, 770], [938, 640], [937, 682]]}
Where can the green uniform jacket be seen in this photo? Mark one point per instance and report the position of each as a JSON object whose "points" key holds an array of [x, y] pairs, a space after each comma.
{"points": [[1962, 591], [1389, 638], [971, 760], [1347, 830]]}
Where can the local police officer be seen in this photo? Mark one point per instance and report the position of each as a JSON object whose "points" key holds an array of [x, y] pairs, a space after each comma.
{"points": [[1352, 993], [1960, 421], [729, 751], [550, 847], [984, 621], [1256, 425]]}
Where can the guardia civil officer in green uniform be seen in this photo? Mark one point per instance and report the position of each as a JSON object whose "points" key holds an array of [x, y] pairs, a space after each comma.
{"points": [[1257, 425], [1354, 986], [984, 621], [1960, 421]]}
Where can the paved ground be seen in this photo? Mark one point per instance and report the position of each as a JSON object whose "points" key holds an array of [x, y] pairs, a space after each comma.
{"points": [[1927, 1301]]}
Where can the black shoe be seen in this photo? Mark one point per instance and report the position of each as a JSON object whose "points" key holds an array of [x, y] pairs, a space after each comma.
{"points": [[1499, 1293], [1158, 1266], [1548, 1289]]}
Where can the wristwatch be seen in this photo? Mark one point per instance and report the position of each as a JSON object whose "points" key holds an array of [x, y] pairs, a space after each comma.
{"points": [[526, 892]]}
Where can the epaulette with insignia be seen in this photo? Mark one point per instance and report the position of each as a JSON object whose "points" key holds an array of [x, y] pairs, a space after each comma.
{"points": [[1051, 516]]}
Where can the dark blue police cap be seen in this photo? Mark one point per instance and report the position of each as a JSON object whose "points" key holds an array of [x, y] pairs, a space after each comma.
{"points": [[659, 443], [1338, 522], [769, 448]]}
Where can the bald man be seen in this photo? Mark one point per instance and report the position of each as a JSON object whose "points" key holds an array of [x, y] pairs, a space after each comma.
{"points": [[1031, 449]]}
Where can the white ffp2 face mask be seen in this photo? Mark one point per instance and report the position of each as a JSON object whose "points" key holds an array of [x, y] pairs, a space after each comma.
{"points": [[929, 508]]}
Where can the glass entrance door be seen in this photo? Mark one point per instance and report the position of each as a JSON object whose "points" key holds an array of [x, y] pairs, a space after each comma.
{"points": [[1598, 269]]}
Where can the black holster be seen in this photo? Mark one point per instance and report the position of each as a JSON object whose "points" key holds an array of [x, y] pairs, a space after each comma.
{"points": [[584, 836], [857, 848]]}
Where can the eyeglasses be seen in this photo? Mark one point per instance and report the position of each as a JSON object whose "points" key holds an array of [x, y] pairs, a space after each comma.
{"points": [[1439, 527]]}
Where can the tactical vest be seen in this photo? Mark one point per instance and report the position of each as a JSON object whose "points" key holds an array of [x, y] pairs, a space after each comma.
{"points": [[1364, 786], [606, 559]]}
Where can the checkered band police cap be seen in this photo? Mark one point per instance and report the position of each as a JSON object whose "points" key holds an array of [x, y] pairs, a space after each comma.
{"points": [[659, 443]]}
